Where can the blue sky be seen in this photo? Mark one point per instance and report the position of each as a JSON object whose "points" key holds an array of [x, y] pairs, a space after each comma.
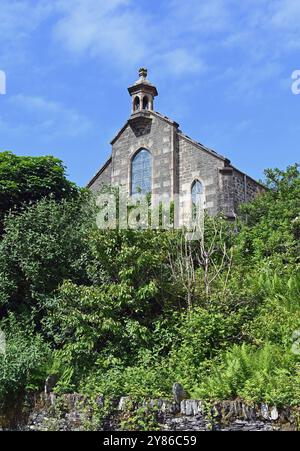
{"points": [[222, 68]]}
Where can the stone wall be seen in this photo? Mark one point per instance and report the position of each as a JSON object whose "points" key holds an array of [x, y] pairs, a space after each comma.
{"points": [[195, 415], [196, 163], [245, 188], [74, 412], [103, 178], [226, 196]]}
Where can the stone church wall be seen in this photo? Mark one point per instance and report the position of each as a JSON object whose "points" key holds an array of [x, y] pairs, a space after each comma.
{"points": [[194, 163], [245, 189], [159, 140], [226, 197], [177, 161], [104, 179]]}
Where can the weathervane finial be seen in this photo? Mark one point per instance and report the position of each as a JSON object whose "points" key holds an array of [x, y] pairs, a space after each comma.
{"points": [[143, 72]]}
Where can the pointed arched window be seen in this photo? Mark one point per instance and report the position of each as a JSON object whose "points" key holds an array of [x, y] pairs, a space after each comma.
{"points": [[197, 197], [141, 172]]}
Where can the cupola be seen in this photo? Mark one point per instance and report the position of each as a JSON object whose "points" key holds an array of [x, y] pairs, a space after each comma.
{"points": [[142, 93]]}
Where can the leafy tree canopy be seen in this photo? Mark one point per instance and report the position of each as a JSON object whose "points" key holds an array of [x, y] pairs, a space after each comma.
{"points": [[29, 179]]}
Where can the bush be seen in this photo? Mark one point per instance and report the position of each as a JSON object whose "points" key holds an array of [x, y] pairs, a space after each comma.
{"points": [[41, 247], [25, 180], [269, 374], [27, 358]]}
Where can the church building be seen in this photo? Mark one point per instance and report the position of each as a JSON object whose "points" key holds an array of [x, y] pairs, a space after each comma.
{"points": [[150, 154]]}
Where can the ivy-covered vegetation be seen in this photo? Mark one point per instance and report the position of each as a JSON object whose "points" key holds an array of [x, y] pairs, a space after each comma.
{"points": [[126, 312]]}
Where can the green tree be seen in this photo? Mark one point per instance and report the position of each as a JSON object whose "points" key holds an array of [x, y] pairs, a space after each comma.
{"points": [[28, 179], [271, 224], [41, 247]]}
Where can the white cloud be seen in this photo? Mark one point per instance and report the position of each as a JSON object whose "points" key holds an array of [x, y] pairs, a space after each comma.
{"points": [[101, 28], [191, 36], [19, 19], [249, 81], [286, 14], [201, 16], [128, 35], [48, 116], [181, 62]]}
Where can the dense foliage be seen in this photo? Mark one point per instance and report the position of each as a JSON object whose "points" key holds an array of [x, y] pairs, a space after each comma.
{"points": [[29, 179], [126, 312]]}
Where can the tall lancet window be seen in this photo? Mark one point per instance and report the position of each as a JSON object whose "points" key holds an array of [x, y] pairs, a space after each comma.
{"points": [[141, 173], [197, 198]]}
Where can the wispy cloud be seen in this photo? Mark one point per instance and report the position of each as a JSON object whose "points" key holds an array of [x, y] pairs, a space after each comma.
{"points": [[185, 37], [286, 14], [249, 81], [45, 116], [19, 19], [100, 28], [180, 62], [201, 17], [127, 35]]}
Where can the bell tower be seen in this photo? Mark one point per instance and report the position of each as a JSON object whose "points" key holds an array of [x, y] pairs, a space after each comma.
{"points": [[142, 93]]}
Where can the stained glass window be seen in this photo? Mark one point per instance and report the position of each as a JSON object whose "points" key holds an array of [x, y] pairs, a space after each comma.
{"points": [[141, 173]]}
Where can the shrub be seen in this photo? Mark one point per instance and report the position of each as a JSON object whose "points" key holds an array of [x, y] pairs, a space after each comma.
{"points": [[24, 366], [269, 374]]}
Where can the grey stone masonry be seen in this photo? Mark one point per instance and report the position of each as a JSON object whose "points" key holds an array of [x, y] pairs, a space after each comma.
{"points": [[145, 130], [102, 178], [76, 412], [177, 160]]}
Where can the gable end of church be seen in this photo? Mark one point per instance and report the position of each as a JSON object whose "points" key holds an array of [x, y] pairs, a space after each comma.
{"points": [[150, 153]]}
